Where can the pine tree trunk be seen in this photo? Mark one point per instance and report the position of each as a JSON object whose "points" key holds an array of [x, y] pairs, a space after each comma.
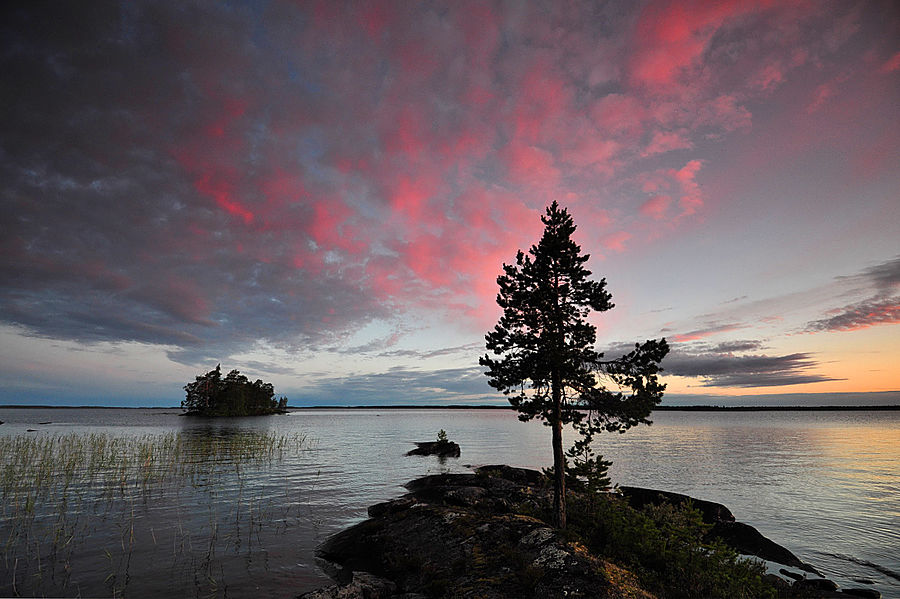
{"points": [[559, 460]]}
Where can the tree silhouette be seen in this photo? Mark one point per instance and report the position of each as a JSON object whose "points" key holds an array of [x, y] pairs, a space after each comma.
{"points": [[545, 360]]}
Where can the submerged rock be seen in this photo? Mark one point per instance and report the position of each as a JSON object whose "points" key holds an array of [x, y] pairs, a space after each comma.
{"points": [[443, 449]]}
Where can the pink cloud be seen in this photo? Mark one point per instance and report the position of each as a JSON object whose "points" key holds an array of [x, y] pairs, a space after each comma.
{"points": [[616, 241], [375, 17], [671, 37], [332, 227], [542, 97], [770, 76], [860, 316], [530, 165], [590, 149], [707, 332], [691, 199], [891, 65], [222, 192], [406, 133], [666, 141], [620, 115], [656, 207], [821, 95], [724, 111]]}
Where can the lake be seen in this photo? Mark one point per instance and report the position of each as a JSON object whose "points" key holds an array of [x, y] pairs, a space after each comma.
{"points": [[233, 507]]}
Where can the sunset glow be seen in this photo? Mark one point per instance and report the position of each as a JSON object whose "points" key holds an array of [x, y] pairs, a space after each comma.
{"points": [[322, 194]]}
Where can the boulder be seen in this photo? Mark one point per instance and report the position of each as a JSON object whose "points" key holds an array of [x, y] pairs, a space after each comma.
{"points": [[442, 449]]}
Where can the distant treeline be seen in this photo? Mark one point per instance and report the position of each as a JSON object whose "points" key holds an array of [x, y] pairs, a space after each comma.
{"points": [[657, 408], [774, 408], [484, 407]]}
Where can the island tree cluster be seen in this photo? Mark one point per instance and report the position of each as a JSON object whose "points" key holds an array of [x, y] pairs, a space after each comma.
{"points": [[234, 395]]}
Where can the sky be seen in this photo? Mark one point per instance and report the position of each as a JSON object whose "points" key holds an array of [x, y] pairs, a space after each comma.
{"points": [[322, 194]]}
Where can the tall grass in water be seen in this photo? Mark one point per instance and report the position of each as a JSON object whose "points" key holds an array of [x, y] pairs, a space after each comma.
{"points": [[65, 498]]}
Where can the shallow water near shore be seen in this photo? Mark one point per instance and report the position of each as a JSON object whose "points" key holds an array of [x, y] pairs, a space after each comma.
{"points": [[826, 485]]}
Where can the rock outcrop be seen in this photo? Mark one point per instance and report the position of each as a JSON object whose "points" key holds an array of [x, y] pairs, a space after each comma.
{"points": [[465, 535], [458, 533]]}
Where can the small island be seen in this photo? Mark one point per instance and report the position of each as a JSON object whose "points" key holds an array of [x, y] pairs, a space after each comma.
{"points": [[442, 448], [233, 395]]}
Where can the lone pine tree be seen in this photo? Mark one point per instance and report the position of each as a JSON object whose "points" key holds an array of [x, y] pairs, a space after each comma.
{"points": [[544, 357]]}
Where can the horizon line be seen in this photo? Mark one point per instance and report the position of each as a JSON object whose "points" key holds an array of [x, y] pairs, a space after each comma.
{"points": [[663, 408]]}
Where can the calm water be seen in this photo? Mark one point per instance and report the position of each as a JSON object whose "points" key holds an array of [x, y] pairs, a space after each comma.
{"points": [[824, 484]]}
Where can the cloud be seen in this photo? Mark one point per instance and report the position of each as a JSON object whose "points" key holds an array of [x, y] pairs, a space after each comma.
{"points": [[885, 276], [709, 331], [401, 386], [468, 349], [666, 141], [616, 241], [656, 206], [327, 168], [716, 369], [730, 364], [882, 307], [892, 64], [859, 316]]}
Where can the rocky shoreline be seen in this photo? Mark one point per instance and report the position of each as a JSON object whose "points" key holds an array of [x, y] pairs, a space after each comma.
{"points": [[465, 535]]}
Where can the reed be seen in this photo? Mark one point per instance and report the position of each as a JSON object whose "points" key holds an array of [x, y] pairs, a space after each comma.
{"points": [[61, 494]]}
